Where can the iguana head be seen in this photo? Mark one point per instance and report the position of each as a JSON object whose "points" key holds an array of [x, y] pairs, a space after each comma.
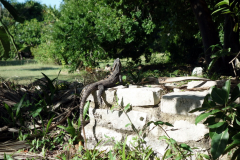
{"points": [[117, 64]]}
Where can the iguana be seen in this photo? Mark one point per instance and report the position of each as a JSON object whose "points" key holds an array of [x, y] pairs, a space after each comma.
{"points": [[110, 81]]}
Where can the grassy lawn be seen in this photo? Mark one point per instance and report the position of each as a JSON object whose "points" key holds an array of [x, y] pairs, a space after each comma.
{"points": [[26, 71]]}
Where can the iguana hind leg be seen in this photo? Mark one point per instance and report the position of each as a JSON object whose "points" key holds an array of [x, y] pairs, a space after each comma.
{"points": [[99, 95]]}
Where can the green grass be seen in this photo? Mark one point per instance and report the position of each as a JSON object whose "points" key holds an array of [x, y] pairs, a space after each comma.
{"points": [[26, 71]]}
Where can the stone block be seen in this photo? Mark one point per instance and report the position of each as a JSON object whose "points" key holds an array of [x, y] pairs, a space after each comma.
{"points": [[182, 102], [117, 119], [139, 96], [184, 131]]}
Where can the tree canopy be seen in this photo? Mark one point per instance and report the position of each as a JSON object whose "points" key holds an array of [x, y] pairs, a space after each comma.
{"points": [[84, 32]]}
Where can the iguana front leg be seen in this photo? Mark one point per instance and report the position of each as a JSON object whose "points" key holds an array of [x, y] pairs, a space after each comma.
{"points": [[99, 95], [120, 79]]}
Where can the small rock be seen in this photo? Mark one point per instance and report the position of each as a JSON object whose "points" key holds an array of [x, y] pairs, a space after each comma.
{"points": [[197, 71]]}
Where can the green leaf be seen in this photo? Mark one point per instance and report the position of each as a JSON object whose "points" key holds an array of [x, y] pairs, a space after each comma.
{"points": [[224, 2], [236, 136], [159, 122], [237, 121], [235, 93], [128, 124], [36, 112], [168, 124], [48, 125], [217, 10], [123, 151], [4, 41], [226, 87], [62, 127], [219, 141], [201, 117], [20, 104], [212, 63], [127, 107], [231, 146], [226, 11], [219, 124], [163, 137], [172, 141], [185, 147], [9, 110], [205, 156], [219, 96], [79, 122], [166, 154], [86, 108]]}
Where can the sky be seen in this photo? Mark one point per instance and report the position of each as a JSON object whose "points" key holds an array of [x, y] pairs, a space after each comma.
{"points": [[47, 2]]}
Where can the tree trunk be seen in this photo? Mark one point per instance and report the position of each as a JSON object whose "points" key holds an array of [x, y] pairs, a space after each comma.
{"points": [[207, 29]]}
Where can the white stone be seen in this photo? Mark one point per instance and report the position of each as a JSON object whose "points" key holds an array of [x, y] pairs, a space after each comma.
{"points": [[197, 71], [182, 102], [97, 133], [201, 84], [139, 96], [184, 131], [117, 119]]}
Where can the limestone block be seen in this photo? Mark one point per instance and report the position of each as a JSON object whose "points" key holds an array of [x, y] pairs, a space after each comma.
{"points": [[182, 102], [117, 119], [97, 133], [139, 96], [197, 71], [184, 131], [201, 84]]}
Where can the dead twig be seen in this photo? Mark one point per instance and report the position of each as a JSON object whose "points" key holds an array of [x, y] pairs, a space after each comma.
{"points": [[234, 69]]}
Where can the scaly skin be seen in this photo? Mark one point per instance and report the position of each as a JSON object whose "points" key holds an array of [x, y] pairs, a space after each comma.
{"points": [[101, 85]]}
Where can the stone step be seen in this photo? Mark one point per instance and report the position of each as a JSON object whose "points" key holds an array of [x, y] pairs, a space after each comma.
{"points": [[148, 104]]}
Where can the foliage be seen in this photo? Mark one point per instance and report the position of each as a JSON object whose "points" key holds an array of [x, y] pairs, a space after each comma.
{"points": [[218, 54], [223, 120], [227, 7], [74, 129], [99, 30]]}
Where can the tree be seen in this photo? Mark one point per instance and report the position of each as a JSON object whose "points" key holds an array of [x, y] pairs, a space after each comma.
{"points": [[210, 36], [91, 30]]}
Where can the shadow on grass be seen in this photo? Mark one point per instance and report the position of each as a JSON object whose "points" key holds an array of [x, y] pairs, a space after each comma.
{"points": [[40, 69], [28, 79]]}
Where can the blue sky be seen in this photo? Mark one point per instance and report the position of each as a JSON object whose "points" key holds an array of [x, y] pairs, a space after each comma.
{"points": [[47, 2]]}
